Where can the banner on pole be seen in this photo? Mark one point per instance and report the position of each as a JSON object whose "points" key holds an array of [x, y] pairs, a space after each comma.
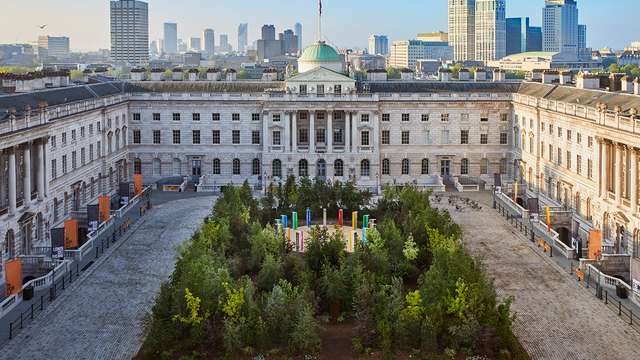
{"points": [[354, 220], [294, 220], [340, 215], [548, 213], [308, 217]]}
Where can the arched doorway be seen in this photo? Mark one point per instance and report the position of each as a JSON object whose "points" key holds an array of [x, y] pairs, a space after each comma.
{"points": [[321, 170]]}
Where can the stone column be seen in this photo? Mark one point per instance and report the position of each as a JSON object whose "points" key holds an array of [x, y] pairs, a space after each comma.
{"points": [[603, 169], [312, 131], [634, 180], [12, 181], [27, 175], [41, 172], [347, 131], [617, 176], [287, 132], [294, 132], [329, 133]]}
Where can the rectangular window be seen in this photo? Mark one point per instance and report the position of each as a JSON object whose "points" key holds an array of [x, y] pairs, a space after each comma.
{"points": [[276, 137], [54, 170], [405, 138], [90, 152], [320, 136], [464, 117], [337, 89], [484, 139], [542, 149], [427, 137], [82, 132], [176, 116], [195, 116], [590, 168], [303, 135], [484, 119], [484, 166], [99, 149], [235, 117], [569, 160], [276, 117], [196, 137], [216, 137], [320, 90], [73, 135], [83, 156], [559, 156], [405, 117], [579, 138], [550, 153], [504, 138], [550, 129], [559, 132], [255, 137], [464, 137], [385, 137], [176, 137], [364, 118], [136, 117], [569, 135], [303, 89], [64, 138], [64, 164], [215, 117], [444, 117], [386, 117], [90, 129], [156, 116], [52, 141], [445, 137], [425, 117], [579, 164], [136, 137], [235, 137], [504, 117], [156, 136], [255, 117], [364, 138], [590, 142], [542, 127]]}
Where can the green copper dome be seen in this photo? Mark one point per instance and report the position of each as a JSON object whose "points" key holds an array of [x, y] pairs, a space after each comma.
{"points": [[320, 52]]}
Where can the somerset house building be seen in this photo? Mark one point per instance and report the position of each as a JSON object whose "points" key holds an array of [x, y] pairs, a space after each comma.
{"points": [[572, 145]]}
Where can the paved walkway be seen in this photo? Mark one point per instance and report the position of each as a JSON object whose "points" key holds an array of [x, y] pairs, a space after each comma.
{"points": [[556, 317], [100, 316]]}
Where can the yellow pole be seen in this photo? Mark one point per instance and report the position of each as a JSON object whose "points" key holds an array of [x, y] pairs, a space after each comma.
{"points": [[548, 211]]}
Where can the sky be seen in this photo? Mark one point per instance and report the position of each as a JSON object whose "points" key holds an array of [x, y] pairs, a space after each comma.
{"points": [[346, 23]]}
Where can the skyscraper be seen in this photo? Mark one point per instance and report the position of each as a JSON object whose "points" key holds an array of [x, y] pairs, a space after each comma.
{"points": [[224, 43], [170, 38], [560, 26], [54, 46], [521, 37], [130, 32], [243, 37], [195, 44], [268, 32], [378, 45], [582, 36], [297, 29], [462, 29], [209, 37], [490, 30], [289, 42]]}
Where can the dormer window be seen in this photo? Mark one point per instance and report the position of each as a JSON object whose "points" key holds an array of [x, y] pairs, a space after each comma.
{"points": [[303, 89]]}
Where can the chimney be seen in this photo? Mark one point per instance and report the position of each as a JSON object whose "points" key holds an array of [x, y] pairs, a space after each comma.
{"points": [[566, 77], [481, 75], [138, 74], [499, 75], [406, 75], [213, 74], [230, 75], [636, 86], [157, 74], [445, 74], [194, 75], [588, 81], [626, 84], [270, 75], [536, 75], [464, 75], [550, 77], [377, 75]]}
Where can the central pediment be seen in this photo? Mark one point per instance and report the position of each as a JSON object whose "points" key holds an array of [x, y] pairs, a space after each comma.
{"points": [[320, 74]]}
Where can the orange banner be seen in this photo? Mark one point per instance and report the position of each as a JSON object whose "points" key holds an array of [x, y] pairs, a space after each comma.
{"points": [[104, 203], [548, 213], [137, 184], [595, 244], [13, 276], [71, 234]]}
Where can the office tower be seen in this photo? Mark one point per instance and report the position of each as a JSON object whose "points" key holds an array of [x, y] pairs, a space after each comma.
{"points": [[378, 45], [224, 43], [243, 37], [521, 37], [490, 30], [195, 44], [170, 38], [209, 38], [298, 31], [462, 28], [289, 42], [130, 32], [53, 46], [433, 36], [582, 36], [268, 32], [560, 26], [405, 53]]}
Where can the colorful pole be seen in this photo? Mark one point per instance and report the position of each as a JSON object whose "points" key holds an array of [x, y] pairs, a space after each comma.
{"points": [[294, 220], [308, 217], [354, 220], [283, 220], [365, 225], [515, 192], [548, 211], [340, 215]]}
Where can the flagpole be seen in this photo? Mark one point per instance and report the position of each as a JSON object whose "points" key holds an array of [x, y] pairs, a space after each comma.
{"points": [[319, 20]]}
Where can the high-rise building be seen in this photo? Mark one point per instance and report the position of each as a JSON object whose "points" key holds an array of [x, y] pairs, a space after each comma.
{"points": [[404, 54], [378, 45], [53, 46], [130, 32], [462, 29], [170, 38], [243, 37], [268, 32], [289, 42], [209, 39], [582, 36], [433, 36], [560, 26], [521, 37], [195, 44], [490, 30], [297, 29], [224, 43]]}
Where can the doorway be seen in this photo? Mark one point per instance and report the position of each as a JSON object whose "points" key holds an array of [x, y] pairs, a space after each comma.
{"points": [[322, 169], [196, 167], [445, 168]]}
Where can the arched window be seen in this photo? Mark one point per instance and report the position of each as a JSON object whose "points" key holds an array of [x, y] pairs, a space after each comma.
{"points": [[137, 166], [425, 166], [464, 166], [216, 166], [276, 168], [236, 167], [109, 143], [365, 169], [386, 167], [338, 168], [405, 167], [157, 167], [255, 167], [117, 139], [177, 167], [303, 168]]}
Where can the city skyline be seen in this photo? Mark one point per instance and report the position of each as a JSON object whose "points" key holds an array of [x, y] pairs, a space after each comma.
{"points": [[91, 30]]}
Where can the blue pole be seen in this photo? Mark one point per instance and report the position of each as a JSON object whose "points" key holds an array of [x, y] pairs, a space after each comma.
{"points": [[308, 217]]}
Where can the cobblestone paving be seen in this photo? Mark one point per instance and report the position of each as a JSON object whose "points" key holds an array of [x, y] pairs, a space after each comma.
{"points": [[556, 318], [100, 317]]}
